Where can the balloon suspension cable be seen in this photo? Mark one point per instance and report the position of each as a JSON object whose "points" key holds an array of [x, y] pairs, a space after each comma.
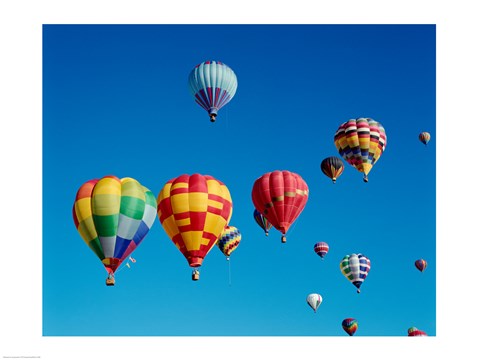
{"points": [[229, 272]]}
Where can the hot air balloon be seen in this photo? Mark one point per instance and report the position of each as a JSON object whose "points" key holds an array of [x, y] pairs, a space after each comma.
{"points": [[229, 240], [314, 301], [361, 142], [413, 331], [355, 267], [262, 221], [194, 210], [280, 196], [213, 84], [350, 326], [332, 167], [321, 249], [424, 137], [421, 265], [113, 216]]}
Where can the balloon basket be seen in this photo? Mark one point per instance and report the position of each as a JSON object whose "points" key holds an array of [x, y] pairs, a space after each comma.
{"points": [[284, 239], [110, 281], [195, 276]]}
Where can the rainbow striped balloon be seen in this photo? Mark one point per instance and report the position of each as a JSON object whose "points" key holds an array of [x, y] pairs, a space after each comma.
{"points": [[229, 240], [113, 216], [350, 325]]}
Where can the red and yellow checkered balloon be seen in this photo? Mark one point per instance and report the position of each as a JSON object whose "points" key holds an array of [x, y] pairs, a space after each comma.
{"points": [[194, 210]]}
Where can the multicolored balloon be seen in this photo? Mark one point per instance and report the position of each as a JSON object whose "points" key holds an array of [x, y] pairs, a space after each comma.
{"points": [[361, 142], [229, 240], [424, 137], [280, 196], [355, 267], [332, 167], [113, 216], [421, 265], [413, 331], [262, 221], [321, 249], [212, 84], [314, 301], [350, 325], [194, 210]]}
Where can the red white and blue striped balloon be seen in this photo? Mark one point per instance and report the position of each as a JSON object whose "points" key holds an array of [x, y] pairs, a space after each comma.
{"points": [[213, 84], [321, 249]]}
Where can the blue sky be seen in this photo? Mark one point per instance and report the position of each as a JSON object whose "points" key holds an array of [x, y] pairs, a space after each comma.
{"points": [[116, 102], [102, 82]]}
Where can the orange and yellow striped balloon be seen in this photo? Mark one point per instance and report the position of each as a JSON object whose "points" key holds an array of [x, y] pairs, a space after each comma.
{"points": [[194, 210]]}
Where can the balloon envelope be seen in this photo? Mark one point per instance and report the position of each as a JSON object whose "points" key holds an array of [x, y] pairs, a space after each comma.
{"points": [[355, 267], [262, 221], [424, 137], [314, 301], [212, 84], [361, 142], [321, 249], [280, 196], [413, 331], [350, 326], [194, 210], [421, 265], [113, 216], [332, 167], [229, 240]]}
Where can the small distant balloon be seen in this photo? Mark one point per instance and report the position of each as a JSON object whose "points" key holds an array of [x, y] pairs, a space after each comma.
{"points": [[424, 137], [262, 221], [321, 249], [332, 167], [314, 301], [421, 265], [413, 331], [350, 325], [229, 240]]}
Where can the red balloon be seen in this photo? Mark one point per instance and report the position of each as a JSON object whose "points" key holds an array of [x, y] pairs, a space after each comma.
{"points": [[280, 196]]}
